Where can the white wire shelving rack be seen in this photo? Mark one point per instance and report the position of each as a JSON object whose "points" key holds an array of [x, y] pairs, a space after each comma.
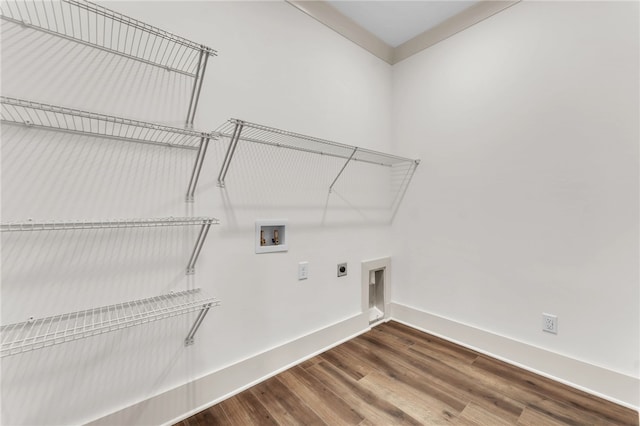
{"points": [[90, 24], [69, 120], [43, 332], [204, 223], [238, 130]]}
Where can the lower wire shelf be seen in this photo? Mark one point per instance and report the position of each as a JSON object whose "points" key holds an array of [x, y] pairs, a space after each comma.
{"points": [[43, 332]]}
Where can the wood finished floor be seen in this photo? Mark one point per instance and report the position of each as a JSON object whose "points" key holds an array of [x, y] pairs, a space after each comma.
{"points": [[396, 375]]}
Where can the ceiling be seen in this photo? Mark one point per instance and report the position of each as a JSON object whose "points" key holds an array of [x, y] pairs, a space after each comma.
{"points": [[396, 22], [395, 30]]}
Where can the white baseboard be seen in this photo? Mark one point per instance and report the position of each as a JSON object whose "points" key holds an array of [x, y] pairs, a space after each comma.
{"points": [[179, 403], [607, 384]]}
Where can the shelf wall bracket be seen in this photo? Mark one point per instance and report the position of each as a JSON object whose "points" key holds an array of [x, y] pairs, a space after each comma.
{"points": [[230, 151], [342, 169], [197, 85], [194, 88], [197, 167], [190, 339], [202, 236]]}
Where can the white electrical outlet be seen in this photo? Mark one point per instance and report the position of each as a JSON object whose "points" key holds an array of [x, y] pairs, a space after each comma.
{"points": [[303, 270], [550, 323]]}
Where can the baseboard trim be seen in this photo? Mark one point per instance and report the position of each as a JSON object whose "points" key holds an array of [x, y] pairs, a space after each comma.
{"points": [[179, 403], [607, 384]]}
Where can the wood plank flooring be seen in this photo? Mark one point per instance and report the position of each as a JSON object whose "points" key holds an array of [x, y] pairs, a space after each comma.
{"points": [[396, 375]]}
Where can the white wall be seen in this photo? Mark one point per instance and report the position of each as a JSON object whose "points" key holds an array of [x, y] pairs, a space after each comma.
{"points": [[278, 67], [526, 200]]}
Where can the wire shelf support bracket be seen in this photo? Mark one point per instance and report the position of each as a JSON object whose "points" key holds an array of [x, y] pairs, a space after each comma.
{"points": [[342, 169], [238, 130], [202, 236], [197, 168], [44, 332], [57, 118], [190, 339], [231, 149], [204, 222], [197, 85], [99, 27]]}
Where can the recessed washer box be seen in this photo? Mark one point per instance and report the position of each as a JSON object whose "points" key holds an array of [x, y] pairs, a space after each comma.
{"points": [[271, 236]]}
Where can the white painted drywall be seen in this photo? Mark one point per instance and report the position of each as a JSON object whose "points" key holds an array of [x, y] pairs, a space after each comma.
{"points": [[526, 200], [277, 67]]}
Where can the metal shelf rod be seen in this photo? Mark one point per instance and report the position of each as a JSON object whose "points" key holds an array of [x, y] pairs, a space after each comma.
{"points": [[230, 151], [199, 78], [197, 167], [342, 169], [293, 148], [197, 248], [190, 339], [193, 90], [317, 140]]}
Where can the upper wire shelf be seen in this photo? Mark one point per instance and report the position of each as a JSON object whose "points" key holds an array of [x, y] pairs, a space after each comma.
{"points": [[53, 117], [204, 222], [236, 130], [96, 26], [39, 333]]}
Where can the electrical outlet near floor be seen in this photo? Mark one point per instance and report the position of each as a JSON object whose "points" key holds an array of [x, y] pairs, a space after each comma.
{"points": [[550, 323]]}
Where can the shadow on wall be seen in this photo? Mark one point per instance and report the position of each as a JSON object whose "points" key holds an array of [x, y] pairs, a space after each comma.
{"points": [[62, 176], [261, 177], [56, 271], [109, 278], [83, 367], [48, 69], [51, 273]]}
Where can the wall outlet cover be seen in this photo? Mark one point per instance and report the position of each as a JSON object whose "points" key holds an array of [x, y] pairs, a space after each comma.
{"points": [[342, 269], [303, 270], [550, 323]]}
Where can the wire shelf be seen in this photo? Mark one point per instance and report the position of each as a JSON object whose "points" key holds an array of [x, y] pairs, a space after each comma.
{"points": [[58, 118], [204, 223], [257, 133], [35, 114], [39, 333], [90, 24], [103, 28], [237, 130], [128, 223]]}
